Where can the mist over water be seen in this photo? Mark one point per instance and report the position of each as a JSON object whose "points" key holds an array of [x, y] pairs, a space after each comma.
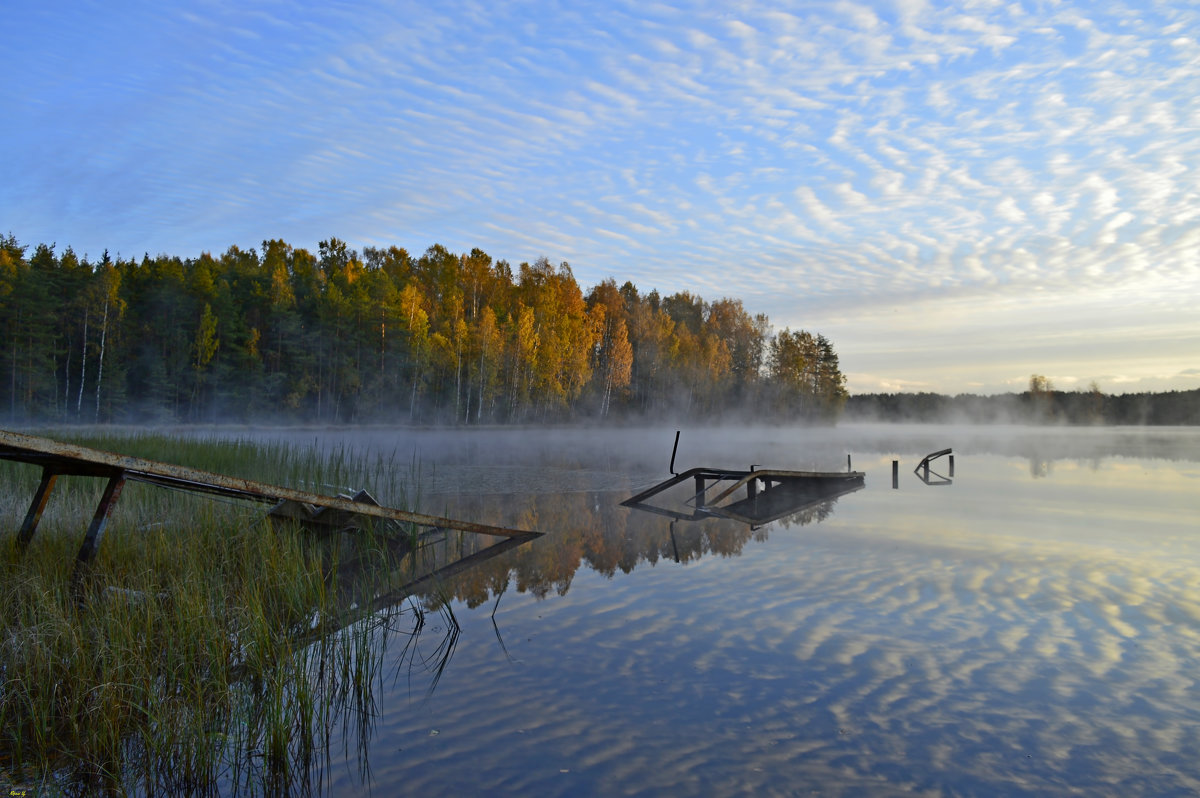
{"points": [[1032, 628], [583, 455]]}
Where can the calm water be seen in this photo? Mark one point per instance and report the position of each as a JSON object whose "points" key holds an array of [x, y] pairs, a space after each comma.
{"points": [[1032, 628]]}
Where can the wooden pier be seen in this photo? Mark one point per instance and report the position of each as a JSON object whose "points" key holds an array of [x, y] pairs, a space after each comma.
{"points": [[930, 477], [770, 493], [782, 492], [64, 459]]}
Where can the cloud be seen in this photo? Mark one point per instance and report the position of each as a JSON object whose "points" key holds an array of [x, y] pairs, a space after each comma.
{"points": [[941, 148]]}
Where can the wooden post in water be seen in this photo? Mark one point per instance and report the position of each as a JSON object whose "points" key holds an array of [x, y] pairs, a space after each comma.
{"points": [[895, 474], [951, 465]]}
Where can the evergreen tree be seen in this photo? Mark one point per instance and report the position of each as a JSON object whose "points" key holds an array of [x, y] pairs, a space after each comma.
{"points": [[334, 337]]}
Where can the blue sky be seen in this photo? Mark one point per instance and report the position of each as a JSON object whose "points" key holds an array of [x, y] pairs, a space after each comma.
{"points": [[957, 195]]}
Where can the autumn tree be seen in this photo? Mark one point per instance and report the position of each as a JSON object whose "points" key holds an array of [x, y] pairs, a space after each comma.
{"points": [[745, 339], [805, 380], [613, 353], [443, 337], [652, 339]]}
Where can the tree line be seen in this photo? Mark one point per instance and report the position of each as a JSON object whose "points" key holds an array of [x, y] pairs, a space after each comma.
{"points": [[342, 337], [1040, 404]]}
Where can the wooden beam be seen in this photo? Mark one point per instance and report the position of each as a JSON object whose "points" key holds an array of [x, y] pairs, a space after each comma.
{"points": [[37, 506], [91, 541], [66, 458]]}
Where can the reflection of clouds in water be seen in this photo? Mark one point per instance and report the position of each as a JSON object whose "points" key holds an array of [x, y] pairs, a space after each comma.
{"points": [[1143, 510], [860, 669], [1001, 636]]}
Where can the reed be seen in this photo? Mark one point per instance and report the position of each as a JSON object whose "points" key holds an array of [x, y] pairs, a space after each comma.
{"points": [[208, 650]]}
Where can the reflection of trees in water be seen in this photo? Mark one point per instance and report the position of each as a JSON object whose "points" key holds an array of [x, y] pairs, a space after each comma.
{"points": [[593, 529], [813, 514], [583, 527]]}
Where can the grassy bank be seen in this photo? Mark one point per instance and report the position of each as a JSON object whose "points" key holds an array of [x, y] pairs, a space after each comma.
{"points": [[207, 649]]}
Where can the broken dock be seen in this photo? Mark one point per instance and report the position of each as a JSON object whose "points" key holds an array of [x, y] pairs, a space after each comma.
{"points": [[65, 459], [770, 493], [930, 477]]}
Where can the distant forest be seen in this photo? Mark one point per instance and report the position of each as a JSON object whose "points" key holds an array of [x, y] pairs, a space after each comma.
{"points": [[1041, 404], [339, 337]]}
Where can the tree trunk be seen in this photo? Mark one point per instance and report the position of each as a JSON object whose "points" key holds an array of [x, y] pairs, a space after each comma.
{"points": [[12, 402], [100, 366], [66, 394], [479, 409], [83, 365]]}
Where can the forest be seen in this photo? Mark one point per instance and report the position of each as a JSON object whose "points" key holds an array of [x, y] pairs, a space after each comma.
{"points": [[286, 335], [1040, 404]]}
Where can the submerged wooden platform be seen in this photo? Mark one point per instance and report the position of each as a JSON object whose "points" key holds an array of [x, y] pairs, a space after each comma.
{"points": [[782, 492], [65, 459], [770, 493]]}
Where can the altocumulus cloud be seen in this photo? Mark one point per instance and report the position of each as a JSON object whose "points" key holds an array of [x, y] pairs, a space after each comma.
{"points": [[845, 167]]}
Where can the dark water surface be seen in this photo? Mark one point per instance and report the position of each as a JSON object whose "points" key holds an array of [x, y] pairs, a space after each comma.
{"points": [[1032, 628]]}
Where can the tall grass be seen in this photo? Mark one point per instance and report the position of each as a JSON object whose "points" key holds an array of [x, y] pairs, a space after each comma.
{"points": [[206, 650]]}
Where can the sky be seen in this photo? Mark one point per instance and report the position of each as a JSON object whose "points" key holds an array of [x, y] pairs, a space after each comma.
{"points": [[958, 195]]}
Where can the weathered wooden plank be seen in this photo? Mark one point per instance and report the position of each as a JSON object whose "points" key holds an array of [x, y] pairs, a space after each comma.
{"points": [[932, 456], [923, 468], [68, 458], [775, 475], [786, 498]]}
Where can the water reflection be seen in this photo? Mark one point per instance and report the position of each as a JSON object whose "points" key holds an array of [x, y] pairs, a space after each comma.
{"points": [[1016, 635], [381, 636], [592, 530], [1006, 637], [770, 495], [933, 478], [1039, 467]]}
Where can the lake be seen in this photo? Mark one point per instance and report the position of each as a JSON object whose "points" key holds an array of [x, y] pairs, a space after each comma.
{"points": [[1029, 627]]}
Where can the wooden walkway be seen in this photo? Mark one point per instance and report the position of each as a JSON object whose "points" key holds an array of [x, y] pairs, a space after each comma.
{"points": [[64, 459]]}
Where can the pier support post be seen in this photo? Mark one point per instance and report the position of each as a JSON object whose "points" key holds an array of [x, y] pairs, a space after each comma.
{"points": [[37, 507], [951, 465], [91, 541], [895, 474]]}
